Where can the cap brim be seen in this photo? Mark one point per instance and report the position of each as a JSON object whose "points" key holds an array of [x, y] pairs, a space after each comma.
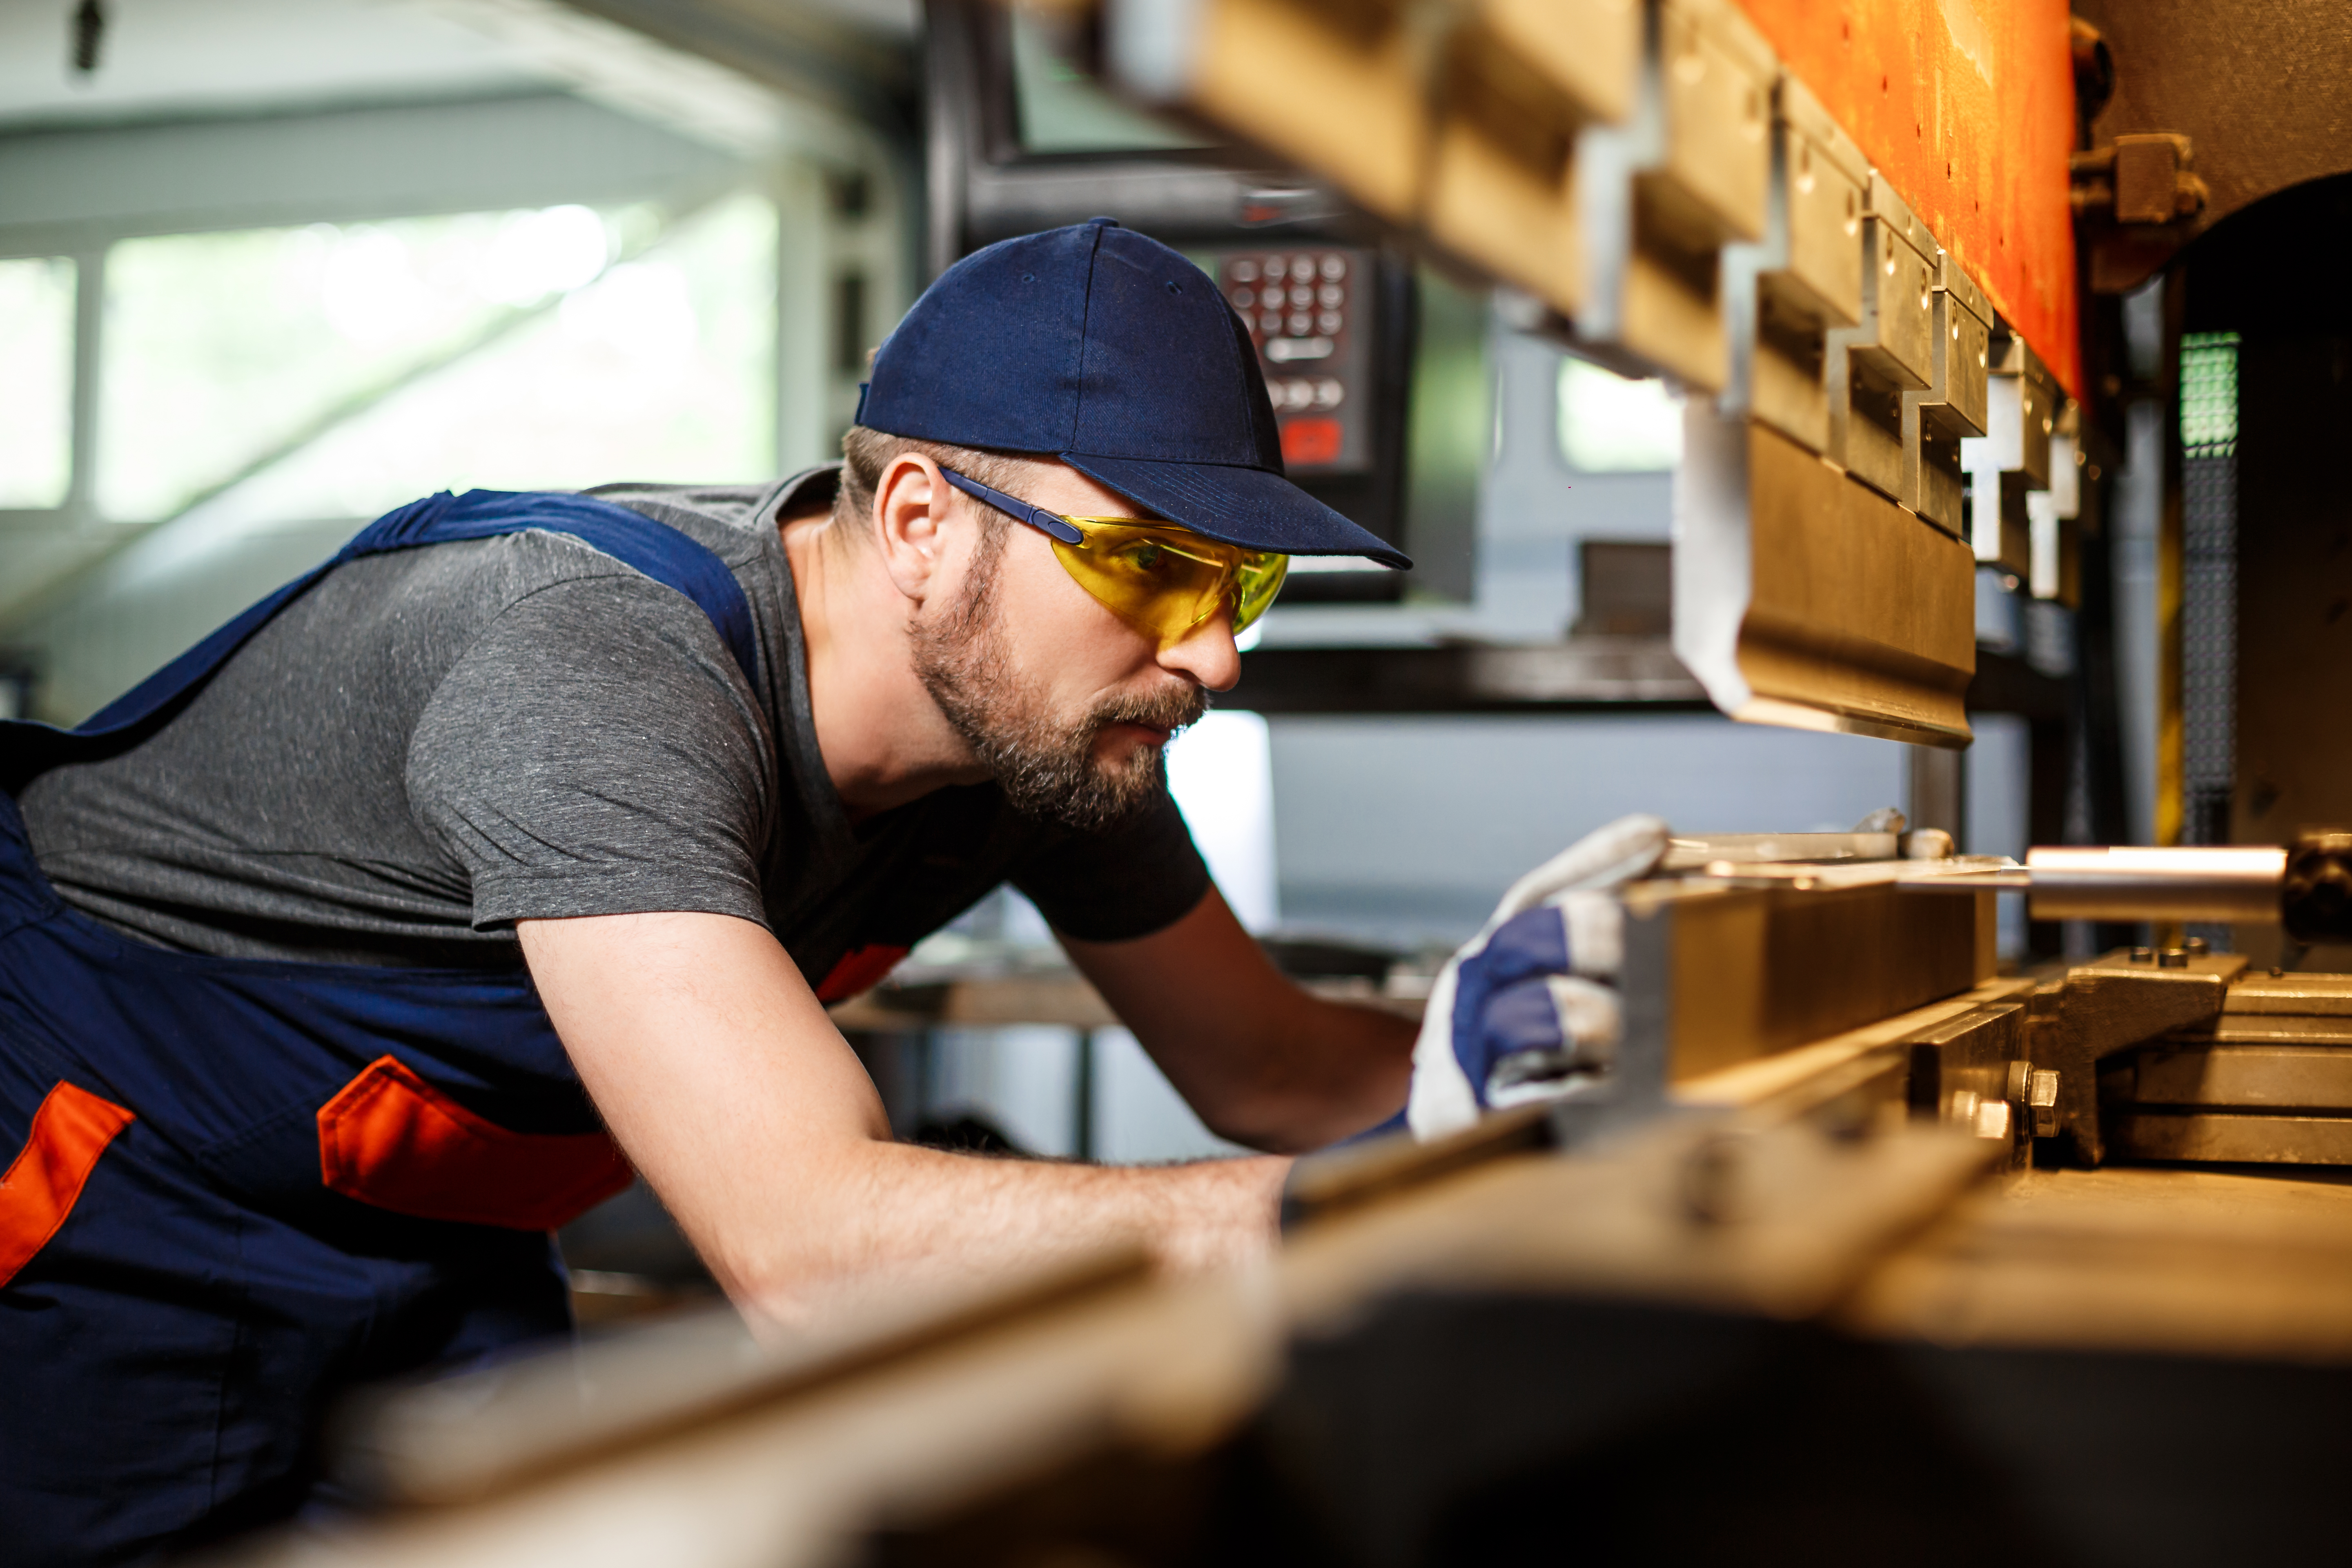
{"points": [[1248, 507]]}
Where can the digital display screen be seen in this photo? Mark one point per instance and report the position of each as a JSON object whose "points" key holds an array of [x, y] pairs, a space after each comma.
{"points": [[1058, 107]]}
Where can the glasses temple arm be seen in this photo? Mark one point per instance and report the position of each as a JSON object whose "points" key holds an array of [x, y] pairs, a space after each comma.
{"points": [[1052, 525]]}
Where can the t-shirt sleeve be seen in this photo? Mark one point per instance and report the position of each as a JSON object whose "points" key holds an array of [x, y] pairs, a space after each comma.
{"points": [[597, 751], [1129, 880]]}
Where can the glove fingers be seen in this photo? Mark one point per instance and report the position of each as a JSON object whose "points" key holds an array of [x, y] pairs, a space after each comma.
{"points": [[1533, 942], [1443, 1098], [1594, 928], [1545, 1034], [1604, 858]]}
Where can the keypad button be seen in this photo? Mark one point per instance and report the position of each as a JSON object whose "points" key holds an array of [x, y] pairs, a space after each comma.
{"points": [[1334, 267], [1301, 297], [1269, 323], [1244, 271], [1299, 321], [1244, 298], [1329, 322], [1275, 267], [1331, 295], [1329, 393]]}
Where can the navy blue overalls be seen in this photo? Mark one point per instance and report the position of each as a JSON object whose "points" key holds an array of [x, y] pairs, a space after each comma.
{"points": [[245, 1186]]}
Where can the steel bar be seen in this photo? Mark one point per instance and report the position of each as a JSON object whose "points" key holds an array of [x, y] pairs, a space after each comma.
{"points": [[2225, 883]]}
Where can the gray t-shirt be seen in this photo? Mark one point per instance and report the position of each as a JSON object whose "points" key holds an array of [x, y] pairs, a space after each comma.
{"points": [[430, 745]]}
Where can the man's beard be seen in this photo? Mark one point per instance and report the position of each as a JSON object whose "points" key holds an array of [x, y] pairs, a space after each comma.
{"points": [[1045, 767]]}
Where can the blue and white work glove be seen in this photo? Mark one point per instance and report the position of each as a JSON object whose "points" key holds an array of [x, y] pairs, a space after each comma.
{"points": [[1527, 1008]]}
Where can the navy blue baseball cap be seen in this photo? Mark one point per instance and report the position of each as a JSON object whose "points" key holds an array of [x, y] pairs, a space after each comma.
{"points": [[1109, 351]]}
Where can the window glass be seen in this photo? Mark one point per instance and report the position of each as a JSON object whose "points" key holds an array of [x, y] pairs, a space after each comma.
{"points": [[1063, 109], [221, 348], [37, 330], [662, 369], [1609, 425]]}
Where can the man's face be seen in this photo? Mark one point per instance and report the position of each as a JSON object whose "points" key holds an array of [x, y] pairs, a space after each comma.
{"points": [[1068, 705]]}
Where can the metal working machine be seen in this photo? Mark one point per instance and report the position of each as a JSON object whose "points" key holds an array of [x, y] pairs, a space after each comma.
{"points": [[1862, 1250]]}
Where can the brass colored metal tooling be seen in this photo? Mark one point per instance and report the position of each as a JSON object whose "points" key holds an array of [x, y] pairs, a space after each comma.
{"points": [[1951, 409], [1784, 295], [1687, 175], [2267, 1081], [1519, 82], [2099, 1009], [1804, 598], [1971, 1072], [1891, 351]]}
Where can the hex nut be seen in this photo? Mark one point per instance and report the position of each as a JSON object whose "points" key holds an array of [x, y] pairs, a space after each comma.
{"points": [[2043, 1101]]}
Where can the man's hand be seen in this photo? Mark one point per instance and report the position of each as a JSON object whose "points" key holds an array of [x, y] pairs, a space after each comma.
{"points": [[730, 1089], [1259, 1061], [1529, 1007]]}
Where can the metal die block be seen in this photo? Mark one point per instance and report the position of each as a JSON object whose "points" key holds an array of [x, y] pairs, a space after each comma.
{"points": [[1821, 181], [2246, 1076], [1513, 97], [1867, 433], [1803, 599], [1672, 313], [1336, 86], [1934, 483], [1965, 1072], [1968, 1055], [1891, 351], [1716, 76], [1782, 296], [1716, 974], [1952, 407], [1588, 52], [1894, 339], [2053, 548], [2304, 996], [2037, 408], [1787, 375], [1960, 350], [2214, 1137], [1662, 196], [2012, 460]]}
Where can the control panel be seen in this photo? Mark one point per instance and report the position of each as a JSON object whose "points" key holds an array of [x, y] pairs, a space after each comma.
{"points": [[1309, 309]]}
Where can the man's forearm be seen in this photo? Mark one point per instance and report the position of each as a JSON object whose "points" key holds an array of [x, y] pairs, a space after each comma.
{"points": [[892, 1217], [1263, 1062], [731, 1090], [1335, 1069]]}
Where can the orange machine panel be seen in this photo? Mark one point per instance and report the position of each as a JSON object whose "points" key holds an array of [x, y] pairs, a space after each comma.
{"points": [[1968, 108]]}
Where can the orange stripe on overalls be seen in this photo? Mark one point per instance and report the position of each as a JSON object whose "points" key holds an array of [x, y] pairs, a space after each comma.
{"points": [[392, 1140], [69, 1132]]}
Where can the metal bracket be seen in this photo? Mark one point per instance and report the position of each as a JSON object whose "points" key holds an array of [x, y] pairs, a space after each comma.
{"points": [[2099, 1009], [2142, 179]]}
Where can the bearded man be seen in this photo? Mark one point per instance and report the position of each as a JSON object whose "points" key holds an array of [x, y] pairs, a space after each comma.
{"points": [[524, 846]]}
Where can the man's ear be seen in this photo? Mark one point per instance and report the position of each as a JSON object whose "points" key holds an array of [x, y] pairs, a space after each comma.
{"points": [[911, 505]]}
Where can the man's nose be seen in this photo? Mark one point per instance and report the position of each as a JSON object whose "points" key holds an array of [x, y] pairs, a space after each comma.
{"points": [[1206, 654]]}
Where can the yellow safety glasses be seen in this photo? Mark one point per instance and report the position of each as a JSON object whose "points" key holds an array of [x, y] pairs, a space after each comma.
{"points": [[1161, 578]]}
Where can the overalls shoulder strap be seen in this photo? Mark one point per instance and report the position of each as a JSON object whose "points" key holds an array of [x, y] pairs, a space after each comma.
{"points": [[661, 552]]}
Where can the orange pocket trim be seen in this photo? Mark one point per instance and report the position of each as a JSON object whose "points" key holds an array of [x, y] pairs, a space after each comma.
{"points": [[860, 970], [393, 1141], [71, 1129]]}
